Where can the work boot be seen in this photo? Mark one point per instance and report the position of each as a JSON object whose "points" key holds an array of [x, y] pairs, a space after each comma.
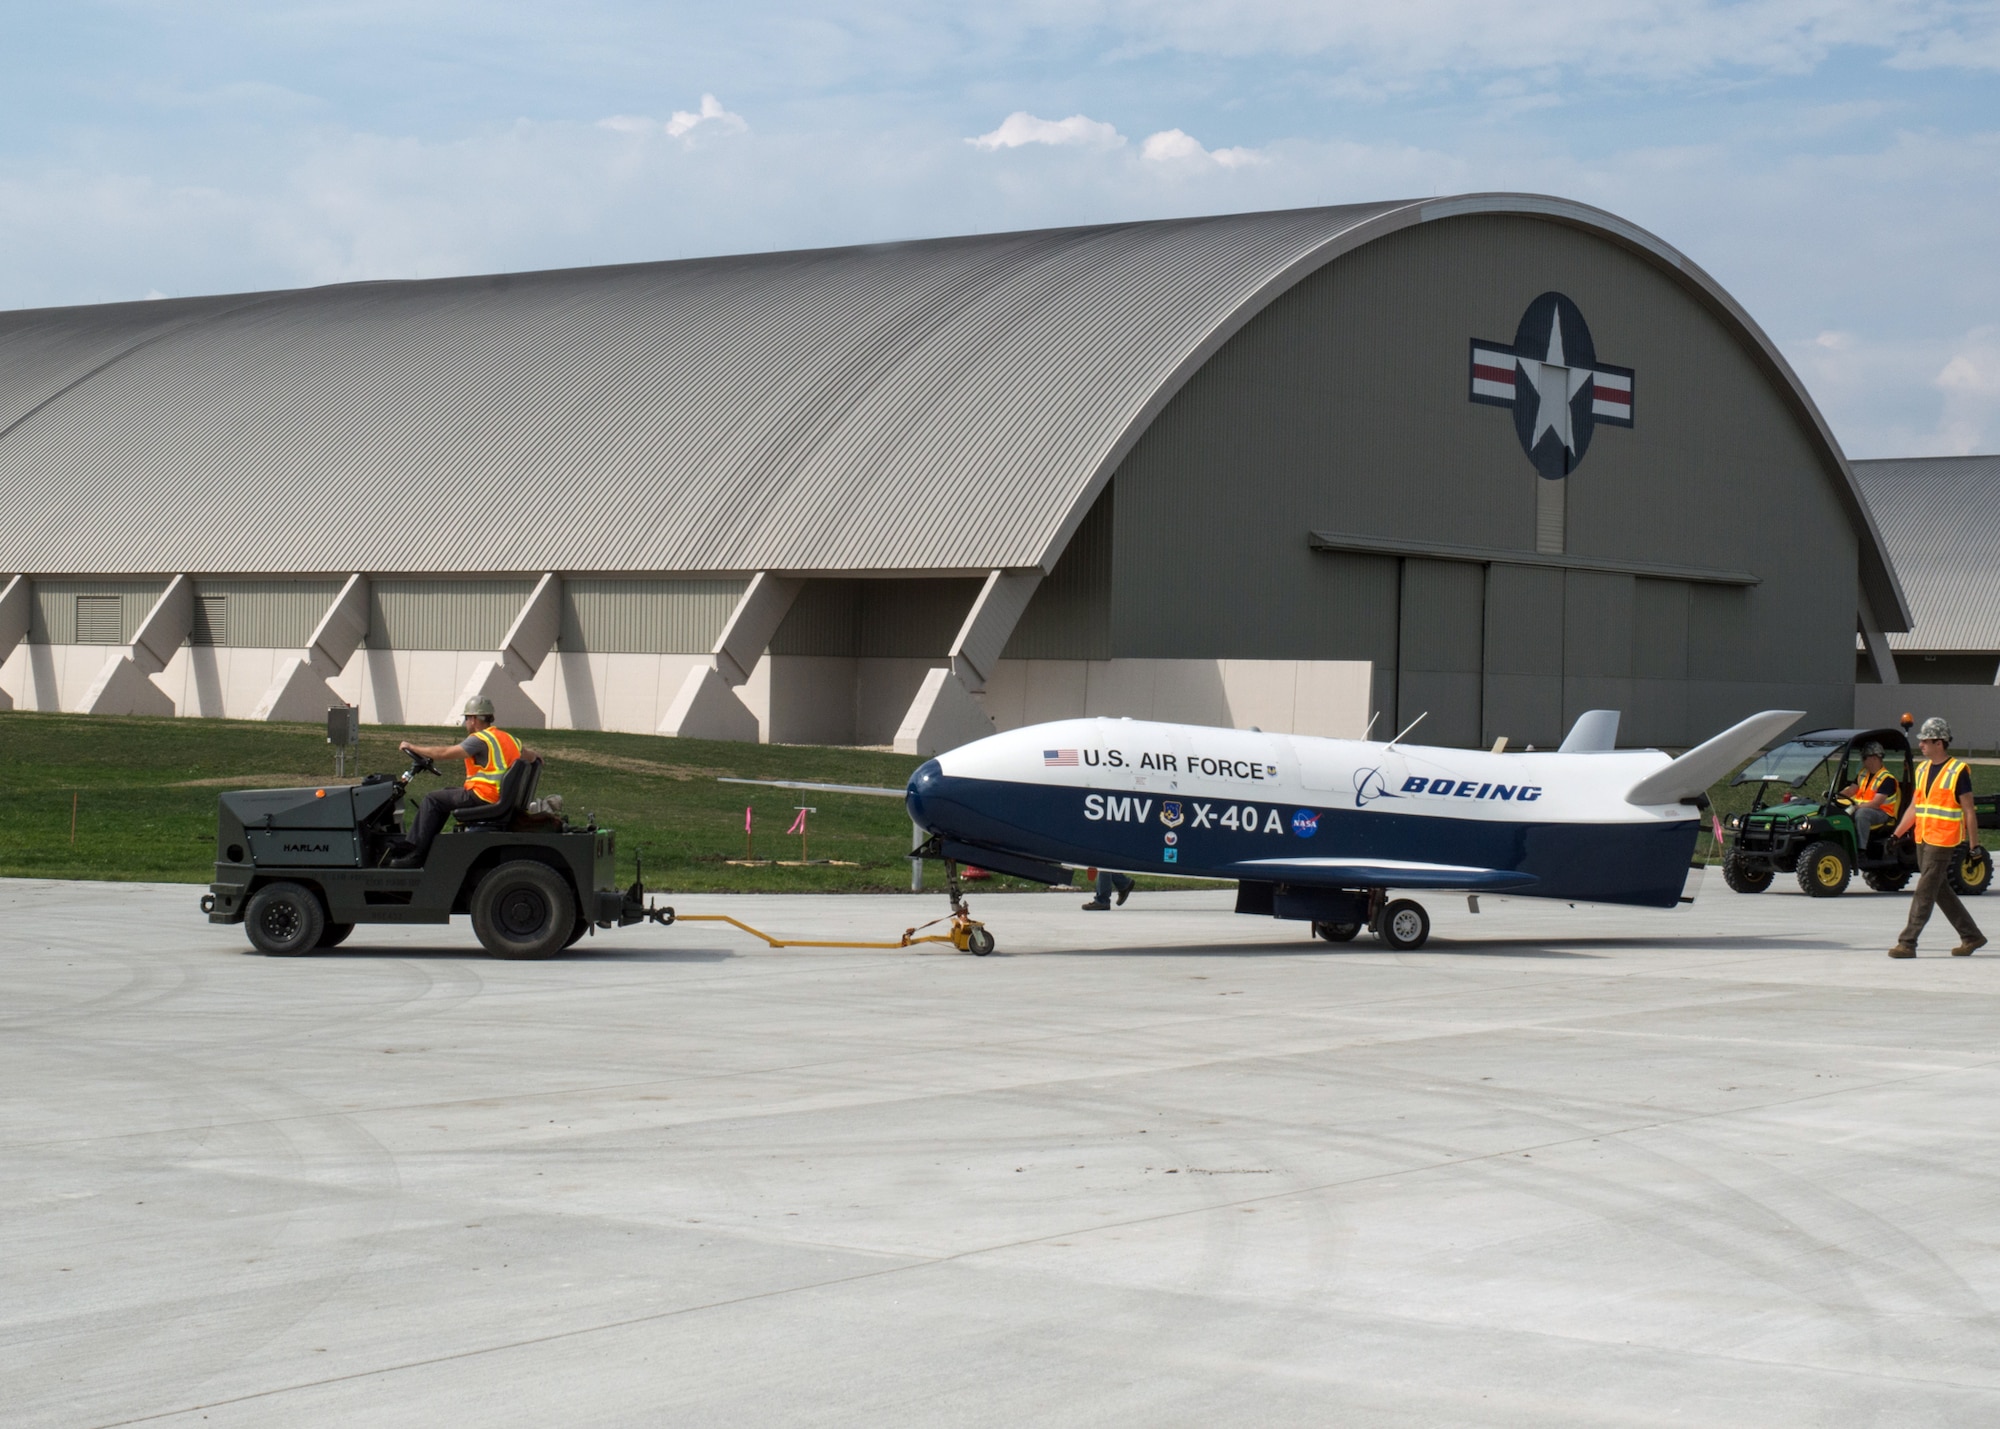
{"points": [[412, 859], [1094, 906], [1902, 950], [1123, 894], [1970, 946]]}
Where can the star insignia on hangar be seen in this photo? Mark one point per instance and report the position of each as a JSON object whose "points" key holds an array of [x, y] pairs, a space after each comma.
{"points": [[1552, 379]]}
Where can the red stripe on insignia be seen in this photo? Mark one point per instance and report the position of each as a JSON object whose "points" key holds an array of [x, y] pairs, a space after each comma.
{"points": [[1493, 374]]}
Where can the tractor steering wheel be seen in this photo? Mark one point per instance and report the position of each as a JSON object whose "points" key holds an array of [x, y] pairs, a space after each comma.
{"points": [[419, 764]]}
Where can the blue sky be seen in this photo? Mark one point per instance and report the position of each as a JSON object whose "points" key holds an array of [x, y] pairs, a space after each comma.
{"points": [[1836, 165]]}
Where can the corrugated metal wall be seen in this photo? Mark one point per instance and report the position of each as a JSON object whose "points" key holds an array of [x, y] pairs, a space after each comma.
{"points": [[1440, 638], [269, 614], [443, 615], [53, 618], [646, 617], [876, 618], [1069, 617], [1342, 408]]}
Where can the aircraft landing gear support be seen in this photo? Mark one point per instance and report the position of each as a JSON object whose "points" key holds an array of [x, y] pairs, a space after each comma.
{"points": [[968, 934], [1400, 923]]}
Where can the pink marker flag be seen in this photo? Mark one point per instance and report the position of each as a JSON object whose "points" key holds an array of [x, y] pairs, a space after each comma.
{"points": [[1718, 826], [798, 824], [746, 819]]}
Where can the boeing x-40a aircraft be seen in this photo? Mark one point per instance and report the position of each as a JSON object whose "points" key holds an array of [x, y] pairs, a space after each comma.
{"points": [[1323, 829]]}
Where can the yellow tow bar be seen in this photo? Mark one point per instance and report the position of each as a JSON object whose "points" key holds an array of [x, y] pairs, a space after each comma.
{"points": [[966, 934]]}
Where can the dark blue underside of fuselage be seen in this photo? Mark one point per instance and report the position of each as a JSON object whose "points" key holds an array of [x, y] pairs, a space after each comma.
{"points": [[1599, 863]]}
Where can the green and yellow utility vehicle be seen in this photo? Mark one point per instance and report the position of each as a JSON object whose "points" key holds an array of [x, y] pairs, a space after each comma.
{"points": [[1798, 823]]}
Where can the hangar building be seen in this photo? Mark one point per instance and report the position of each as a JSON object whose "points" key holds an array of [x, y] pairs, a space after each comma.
{"points": [[1491, 460]]}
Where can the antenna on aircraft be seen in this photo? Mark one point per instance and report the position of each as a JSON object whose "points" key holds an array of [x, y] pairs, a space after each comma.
{"points": [[1406, 729], [1371, 723]]}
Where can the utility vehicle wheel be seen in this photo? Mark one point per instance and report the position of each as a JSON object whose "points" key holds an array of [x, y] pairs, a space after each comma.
{"points": [[523, 909], [979, 943], [1971, 877], [576, 933], [1887, 880], [1404, 925], [1824, 870], [1741, 878], [284, 919], [334, 935], [1337, 932]]}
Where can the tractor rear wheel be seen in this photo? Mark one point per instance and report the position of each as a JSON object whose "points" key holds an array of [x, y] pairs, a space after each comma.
{"points": [[1742, 878], [1824, 869], [523, 909]]}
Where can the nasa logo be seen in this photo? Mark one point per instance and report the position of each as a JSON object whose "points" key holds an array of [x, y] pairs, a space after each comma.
{"points": [[1170, 814], [1305, 823], [1552, 379]]}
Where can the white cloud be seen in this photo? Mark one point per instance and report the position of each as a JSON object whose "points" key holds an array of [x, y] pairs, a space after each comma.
{"points": [[1078, 130], [1171, 146], [710, 117], [1970, 381]]}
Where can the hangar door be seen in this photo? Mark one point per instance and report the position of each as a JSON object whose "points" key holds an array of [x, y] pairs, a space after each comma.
{"points": [[1440, 631]]}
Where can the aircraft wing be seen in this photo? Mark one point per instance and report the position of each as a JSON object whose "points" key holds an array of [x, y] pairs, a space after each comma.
{"points": [[1383, 873]]}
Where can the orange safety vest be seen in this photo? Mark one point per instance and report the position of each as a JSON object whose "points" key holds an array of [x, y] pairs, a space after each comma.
{"points": [[1869, 783], [1940, 821], [482, 776]]}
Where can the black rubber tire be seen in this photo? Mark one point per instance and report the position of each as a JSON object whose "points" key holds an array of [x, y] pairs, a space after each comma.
{"points": [[333, 935], [1969, 879], [576, 933], [1337, 932], [979, 943], [284, 920], [1824, 869], [1884, 880], [1744, 880], [523, 910], [1403, 925]]}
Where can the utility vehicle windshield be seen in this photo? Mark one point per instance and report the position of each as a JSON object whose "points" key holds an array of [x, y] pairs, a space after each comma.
{"points": [[1791, 763]]}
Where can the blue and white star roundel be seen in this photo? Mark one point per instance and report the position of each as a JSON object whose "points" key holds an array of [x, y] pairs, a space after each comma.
{"points": [[1552, 379]]}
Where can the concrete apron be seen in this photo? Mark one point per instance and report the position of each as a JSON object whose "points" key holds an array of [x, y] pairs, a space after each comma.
{"points": [[1162, 1165]]}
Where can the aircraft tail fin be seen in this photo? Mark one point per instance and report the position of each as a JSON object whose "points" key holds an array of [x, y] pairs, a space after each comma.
{"points": [[1708, 761], [1595, 732]]}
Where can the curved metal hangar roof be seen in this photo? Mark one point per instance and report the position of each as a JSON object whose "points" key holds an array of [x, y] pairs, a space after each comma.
{"points": [[946, 405]]}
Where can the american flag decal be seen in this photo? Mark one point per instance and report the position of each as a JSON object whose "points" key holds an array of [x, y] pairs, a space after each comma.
{"points": [[1059, 758]]}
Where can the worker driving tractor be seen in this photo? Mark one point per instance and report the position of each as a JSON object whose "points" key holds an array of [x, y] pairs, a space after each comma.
{"points": [[489, 752], [1874, 797], [1943, 816]]}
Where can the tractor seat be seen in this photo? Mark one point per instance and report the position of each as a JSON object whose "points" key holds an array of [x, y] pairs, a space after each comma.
{"points": [[517, 787]]}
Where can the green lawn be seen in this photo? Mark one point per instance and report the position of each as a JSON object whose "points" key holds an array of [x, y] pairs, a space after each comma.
{"points": [[143, 793]]}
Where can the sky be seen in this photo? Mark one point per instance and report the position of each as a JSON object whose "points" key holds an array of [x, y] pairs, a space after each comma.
{"points": [[1834, 164]]}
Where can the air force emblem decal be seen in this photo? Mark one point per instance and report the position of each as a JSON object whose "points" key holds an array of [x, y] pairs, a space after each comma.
{"points": [[1552, 379]]}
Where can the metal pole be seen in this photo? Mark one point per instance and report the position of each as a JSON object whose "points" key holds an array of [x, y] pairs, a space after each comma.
{"points": [[916, 864]]}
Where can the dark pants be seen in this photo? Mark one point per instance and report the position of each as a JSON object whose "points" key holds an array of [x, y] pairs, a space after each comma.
{"points": [[439, 805], [1109, 883], [1933, 863]]}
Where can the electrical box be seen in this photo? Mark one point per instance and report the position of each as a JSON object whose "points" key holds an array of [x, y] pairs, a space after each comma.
{"points": [[343, 725]]}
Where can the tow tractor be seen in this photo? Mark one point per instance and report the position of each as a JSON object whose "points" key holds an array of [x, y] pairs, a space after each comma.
{"points": [[300, 868], [1798, 823]]}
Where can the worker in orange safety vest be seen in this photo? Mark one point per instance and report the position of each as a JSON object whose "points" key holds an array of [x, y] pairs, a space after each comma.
{"points": [[489, 752], [1943, 817], [1875, 796]]}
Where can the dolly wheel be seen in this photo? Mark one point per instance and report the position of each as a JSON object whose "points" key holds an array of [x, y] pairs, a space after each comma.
{"points": [[1336, 932], [1824, 870], [523, 909], [284, 920], [978, 942], [1404, 925]]}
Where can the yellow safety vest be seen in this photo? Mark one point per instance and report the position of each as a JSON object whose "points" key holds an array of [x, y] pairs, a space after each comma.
{"points": [[483, 776], [1940, 821], [1869, 783]]}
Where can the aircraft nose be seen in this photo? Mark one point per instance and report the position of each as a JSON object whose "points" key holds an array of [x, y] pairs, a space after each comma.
{"points": [[925, 784]]}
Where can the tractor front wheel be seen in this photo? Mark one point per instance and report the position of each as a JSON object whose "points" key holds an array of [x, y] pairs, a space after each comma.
{"points": [[1742, 878], [1824, 869]]}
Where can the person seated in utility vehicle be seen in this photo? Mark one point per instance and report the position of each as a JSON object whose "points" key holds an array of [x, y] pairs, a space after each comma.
{"points": [[489, 752], [1875, 795]]}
